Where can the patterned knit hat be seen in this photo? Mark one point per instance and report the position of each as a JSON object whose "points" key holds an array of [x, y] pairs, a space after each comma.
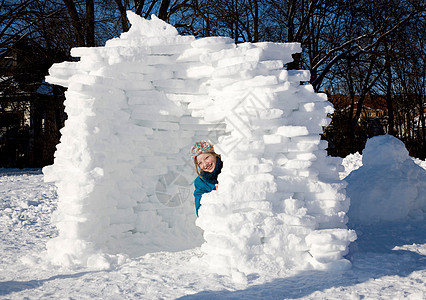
{"points": [[201, 147]]}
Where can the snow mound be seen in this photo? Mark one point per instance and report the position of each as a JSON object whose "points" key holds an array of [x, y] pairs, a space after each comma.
{"points": [[421, 163], [386, 151], [351, 163], [389, 186]]}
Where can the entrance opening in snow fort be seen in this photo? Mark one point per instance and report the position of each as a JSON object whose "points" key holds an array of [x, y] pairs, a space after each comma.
{"points": [[124, 174]]}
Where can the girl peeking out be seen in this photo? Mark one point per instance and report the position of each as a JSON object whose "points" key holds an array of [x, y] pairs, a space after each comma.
{"points": [[208, 166]]}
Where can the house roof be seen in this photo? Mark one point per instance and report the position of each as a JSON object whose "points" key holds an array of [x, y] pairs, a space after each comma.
{"points": [[342, 102]]}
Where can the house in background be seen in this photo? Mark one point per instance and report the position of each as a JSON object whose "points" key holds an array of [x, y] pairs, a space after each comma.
{"points": [[374, 106], [374, 113], [31, 112]]}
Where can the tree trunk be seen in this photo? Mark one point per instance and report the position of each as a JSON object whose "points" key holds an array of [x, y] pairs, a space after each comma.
{"points": [[389, 98], [164, 7], [90, 23], [422, 123], [352, 106], [76, 22], [138, 7], [256, 21], [123, 16]]}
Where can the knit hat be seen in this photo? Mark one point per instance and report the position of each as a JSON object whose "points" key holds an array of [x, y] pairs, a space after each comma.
{"points": [[201, 147]]}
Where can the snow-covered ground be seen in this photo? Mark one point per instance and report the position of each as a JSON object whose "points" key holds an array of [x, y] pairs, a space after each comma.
{"points": [[389, 260]]}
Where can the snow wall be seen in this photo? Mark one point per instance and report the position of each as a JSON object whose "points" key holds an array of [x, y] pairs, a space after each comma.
{"points": [[123, 171]]}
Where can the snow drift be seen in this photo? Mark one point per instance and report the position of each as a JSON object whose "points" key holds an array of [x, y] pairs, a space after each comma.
{"points": [[389, 186], [123, 172]]}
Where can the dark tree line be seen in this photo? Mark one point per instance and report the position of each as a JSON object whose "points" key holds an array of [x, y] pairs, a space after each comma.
{"points": [[368, 56]]}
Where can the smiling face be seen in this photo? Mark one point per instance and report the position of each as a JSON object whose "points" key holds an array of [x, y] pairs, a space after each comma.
{"points": [[206, 162]]}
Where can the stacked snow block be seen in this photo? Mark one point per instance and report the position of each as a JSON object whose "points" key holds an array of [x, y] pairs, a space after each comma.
{"points": [[277, 189], [124, 173], [122, 168]]}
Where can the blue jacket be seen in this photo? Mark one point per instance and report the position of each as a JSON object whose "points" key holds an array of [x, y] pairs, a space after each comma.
{"points": [[207, 183], [201, 187]]}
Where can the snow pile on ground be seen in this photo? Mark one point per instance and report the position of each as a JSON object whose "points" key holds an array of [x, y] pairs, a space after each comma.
{"points": [[421, 163], [350, 163], [26, 207], [123, 171], [389, 186], [354, 161]]}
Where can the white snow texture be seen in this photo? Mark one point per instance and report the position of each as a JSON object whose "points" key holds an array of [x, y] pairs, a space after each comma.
{"points": [[123, 170], [389, 186]]}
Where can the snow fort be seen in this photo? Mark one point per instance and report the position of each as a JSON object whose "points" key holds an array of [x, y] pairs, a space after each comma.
{"points": [[123, 171]]}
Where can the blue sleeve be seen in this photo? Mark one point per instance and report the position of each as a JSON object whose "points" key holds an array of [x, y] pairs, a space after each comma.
{"points": [[200, 189]]}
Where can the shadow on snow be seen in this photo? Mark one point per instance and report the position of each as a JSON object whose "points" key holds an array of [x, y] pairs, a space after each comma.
{"points": [[17, 172], [8, 287], [372, 255]]}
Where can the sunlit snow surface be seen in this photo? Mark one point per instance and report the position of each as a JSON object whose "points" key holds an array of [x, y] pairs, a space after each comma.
{"points": [[389, 261]]}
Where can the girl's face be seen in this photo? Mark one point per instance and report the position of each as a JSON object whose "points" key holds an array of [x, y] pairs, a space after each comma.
{"points": [[206, 162]]}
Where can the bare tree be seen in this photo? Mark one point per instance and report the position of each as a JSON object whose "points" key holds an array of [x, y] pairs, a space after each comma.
{"points": [[164, 9], [31, 40], [237, 19], [13, 28], [83, 21], [409, 90]]}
